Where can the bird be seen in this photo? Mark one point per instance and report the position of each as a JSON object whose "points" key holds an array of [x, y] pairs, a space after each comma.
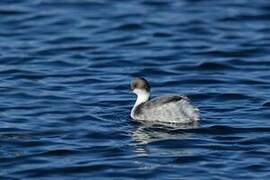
{"points": [[172, 108]]}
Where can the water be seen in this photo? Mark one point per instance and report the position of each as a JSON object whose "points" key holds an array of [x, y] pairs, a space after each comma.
{"points": [[64, 75]]}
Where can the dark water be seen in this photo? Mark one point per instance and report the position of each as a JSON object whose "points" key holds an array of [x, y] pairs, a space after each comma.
{"points": [[64, 75]]}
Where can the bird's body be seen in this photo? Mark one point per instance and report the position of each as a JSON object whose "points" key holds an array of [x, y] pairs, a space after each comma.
{"points": [[168, 108]]}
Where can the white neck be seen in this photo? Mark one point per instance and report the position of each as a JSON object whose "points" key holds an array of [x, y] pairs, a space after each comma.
{"points": [[142, 96]]}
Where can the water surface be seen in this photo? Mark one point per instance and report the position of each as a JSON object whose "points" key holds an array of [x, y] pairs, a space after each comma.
{"points": [[64, 74]]}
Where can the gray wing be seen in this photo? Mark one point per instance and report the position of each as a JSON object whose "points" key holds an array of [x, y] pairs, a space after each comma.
{"points": [[169, 108]]}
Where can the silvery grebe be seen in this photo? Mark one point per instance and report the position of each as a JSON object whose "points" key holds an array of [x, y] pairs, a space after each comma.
{"points": [[168, 108]]}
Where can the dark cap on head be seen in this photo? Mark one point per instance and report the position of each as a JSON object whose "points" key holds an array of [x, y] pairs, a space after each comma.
{"points": [[140, 83]]}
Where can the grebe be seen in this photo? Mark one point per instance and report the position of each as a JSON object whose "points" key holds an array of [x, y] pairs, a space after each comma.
{"points": [[168, 108]]}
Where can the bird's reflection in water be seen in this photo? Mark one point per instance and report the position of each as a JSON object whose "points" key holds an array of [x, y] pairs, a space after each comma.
{"points": [[148, 133]]}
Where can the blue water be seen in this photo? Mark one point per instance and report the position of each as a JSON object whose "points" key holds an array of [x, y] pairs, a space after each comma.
{"points": [[65, 69]]}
